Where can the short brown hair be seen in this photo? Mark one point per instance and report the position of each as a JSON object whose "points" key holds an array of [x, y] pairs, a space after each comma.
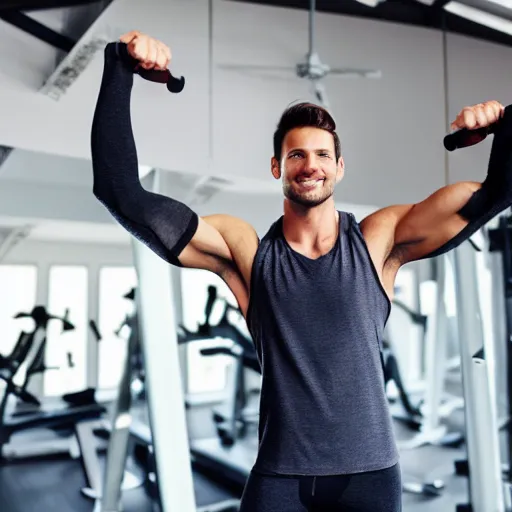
{"points": [[305, 114]]}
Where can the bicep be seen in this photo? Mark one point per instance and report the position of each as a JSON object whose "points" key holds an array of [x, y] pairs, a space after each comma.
{"points": [[207, 249], [426, 226], [223, 244]]}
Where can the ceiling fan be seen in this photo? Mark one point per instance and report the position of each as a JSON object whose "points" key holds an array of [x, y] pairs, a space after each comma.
{"points": [[312, 68]]}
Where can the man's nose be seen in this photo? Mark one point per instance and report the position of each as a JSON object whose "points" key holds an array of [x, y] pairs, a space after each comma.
{"points": [[312, 162]]}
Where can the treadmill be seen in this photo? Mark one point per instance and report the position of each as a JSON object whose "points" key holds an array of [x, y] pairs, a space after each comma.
{"points": [[232, 453], [75, 419]]}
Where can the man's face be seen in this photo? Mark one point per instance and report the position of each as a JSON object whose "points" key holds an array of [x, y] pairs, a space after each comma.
{"points": [[308, 166]]}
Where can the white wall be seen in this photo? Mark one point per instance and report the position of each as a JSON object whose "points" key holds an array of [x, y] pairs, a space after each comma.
{"points": [[478, 72], [374, 116]]}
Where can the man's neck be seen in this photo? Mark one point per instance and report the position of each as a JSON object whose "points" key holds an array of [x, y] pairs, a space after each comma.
{"points": [[311, 231]]}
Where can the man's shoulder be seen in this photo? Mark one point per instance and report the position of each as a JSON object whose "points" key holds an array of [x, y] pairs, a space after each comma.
{"points": [[383, 220], [378, 230]]}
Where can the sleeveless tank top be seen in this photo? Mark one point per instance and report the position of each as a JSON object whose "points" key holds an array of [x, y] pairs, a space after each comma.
{"points": [[317, 326]]}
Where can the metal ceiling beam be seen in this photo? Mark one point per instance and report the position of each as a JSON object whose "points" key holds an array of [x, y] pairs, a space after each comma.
{"points": [[5, 151], [400, 11], [38, 30], [32, 5], [440, 3]]}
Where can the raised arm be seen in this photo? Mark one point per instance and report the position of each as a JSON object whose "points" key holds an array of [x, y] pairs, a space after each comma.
{"points": [[170, 228], [453, 213]]}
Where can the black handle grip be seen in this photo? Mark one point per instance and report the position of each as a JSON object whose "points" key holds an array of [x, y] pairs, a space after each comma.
{"points": [[174, 84], [464, 138]]}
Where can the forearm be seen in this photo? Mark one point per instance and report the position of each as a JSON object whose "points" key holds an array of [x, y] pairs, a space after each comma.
{"points": [[114, 155], [494, 194], [162, 223], [496, 191]]}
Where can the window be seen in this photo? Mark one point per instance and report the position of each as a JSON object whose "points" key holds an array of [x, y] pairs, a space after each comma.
{"points": [[114, 283], [205, 374], [18, 287], [68, 291]]}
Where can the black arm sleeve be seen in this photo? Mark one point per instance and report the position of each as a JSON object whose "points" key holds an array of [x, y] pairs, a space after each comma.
{"points": [[495, 195], [165, 225]]}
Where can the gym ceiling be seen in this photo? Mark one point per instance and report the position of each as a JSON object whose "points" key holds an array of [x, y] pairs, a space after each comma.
{"points": [[489, 20]]}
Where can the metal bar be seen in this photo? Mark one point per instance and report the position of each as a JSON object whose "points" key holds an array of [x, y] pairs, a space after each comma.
{"points": [[164, 386], [403, 11], [108, 491], [87, 442], [38, 30], [37, 5], [485, 480]]}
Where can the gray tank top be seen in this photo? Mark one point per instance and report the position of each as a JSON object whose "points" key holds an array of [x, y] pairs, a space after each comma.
{"points": [[317, 327]]}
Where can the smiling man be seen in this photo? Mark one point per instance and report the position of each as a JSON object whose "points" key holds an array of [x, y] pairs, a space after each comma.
{"points": [[315, 290]]}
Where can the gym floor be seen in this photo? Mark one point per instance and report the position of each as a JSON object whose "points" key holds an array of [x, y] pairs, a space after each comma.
{"points": [[54, 485]]}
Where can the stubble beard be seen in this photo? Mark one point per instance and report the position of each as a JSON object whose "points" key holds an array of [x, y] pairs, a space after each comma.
{"points": [[308, 199]]}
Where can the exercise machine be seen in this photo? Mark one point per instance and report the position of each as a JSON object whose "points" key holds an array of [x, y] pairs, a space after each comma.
{"points": [[487, 490], [131, 322], [500, 263], [437, 403], [235, 417], [24, 362], [77, 419], [37, 364], [404, 410], [118, 431]]}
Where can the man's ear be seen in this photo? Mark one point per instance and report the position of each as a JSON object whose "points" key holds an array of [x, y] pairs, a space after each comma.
{"points": [[275, 168], [340, 169]]}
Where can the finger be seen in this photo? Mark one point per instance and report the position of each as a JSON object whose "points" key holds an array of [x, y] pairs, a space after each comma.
{"points": [[137, 48], [129, 36], [502, 110], [153, 53], [481, 118], [161, 59], [492, 112], [458, 122], [499, 108], [149, 61], [158, 58], [468, 118], [168, 56]]}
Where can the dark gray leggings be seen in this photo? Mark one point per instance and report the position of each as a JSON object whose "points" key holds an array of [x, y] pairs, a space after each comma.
{"points": [[374, 491]]}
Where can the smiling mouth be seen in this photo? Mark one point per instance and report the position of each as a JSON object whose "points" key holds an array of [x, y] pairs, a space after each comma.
{"points": [[310, 183]]}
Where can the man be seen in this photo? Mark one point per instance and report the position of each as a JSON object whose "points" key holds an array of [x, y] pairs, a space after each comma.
{"points": [[315, 291]]}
